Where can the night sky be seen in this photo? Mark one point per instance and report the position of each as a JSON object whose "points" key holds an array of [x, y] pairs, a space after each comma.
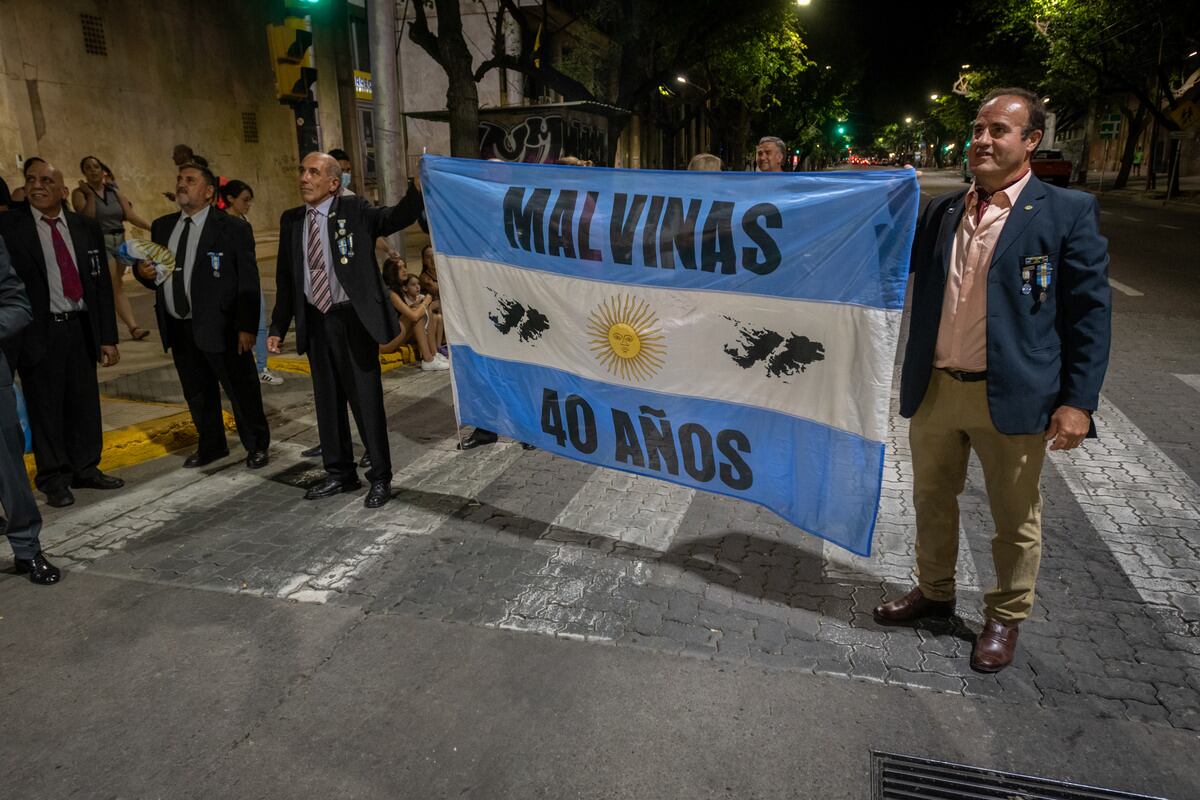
{"points": [[902, 52]]}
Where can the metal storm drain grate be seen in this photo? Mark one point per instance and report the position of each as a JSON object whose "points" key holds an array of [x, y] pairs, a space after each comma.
{"points": [[895, 777]]}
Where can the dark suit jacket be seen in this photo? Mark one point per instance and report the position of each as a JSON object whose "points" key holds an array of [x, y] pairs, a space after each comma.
{"points": [[224, 301], [15, 313], [19, 231], [359, 277], [1040, 355]]}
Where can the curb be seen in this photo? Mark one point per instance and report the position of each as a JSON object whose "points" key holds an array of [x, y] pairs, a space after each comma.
{"points": [[298, 365], [135, 444]]}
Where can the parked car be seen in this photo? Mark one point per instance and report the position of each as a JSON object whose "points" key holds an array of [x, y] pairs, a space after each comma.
{"points": [[1051, 167], [1047, 165]]}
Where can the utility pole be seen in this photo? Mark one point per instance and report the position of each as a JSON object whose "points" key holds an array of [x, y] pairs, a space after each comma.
{"points": [[391, 143]]}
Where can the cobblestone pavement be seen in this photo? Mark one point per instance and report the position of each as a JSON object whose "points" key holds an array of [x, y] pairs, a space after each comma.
{"points": [[524, 540]]}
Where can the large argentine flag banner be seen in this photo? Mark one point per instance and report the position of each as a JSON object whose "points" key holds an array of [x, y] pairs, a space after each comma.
{"points": [[732, 332]]}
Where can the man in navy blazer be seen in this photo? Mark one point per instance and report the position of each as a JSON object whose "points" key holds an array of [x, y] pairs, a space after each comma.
{"points": [[1007, 350]]}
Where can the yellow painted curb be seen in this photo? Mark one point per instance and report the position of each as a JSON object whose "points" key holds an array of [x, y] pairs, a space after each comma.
{"points": [[145, 441], [298, 365]]}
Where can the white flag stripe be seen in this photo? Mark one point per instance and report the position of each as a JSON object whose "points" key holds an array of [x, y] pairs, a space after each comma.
{"points": [[848, 389]]}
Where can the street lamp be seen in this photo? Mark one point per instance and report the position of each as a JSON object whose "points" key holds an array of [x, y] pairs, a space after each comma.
{"points": [[908, 120], [966, 66], [934, 96], [803, 2], [681, 79]]}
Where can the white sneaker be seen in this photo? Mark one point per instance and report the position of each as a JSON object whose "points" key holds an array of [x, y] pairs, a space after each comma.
{"points": [[435, 365], [440, 357], [266, 376]]}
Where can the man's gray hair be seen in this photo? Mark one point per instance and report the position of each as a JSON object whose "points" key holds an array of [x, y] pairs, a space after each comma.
{"points": [[1033, 104], [775, 140], [333, 169]]}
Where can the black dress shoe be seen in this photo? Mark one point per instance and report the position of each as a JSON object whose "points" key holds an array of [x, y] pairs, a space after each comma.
{"points": [[365, 461], [331, 486], [60, 498], [528, 446], [311, 452], [38, 569], [257, 460], [478, 438], [97, 480], [380, 493], [198, 459]]}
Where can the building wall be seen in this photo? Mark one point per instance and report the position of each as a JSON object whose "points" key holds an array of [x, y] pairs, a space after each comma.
{"points": [[176, 71]]}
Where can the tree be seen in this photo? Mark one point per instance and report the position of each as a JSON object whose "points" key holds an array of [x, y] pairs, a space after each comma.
{"points": [[1094, 50], [449, 49]]}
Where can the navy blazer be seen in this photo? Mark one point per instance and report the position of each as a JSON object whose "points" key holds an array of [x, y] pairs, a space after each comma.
{"points": [[15, 314], [1040, 355], [354, 224], [225, 296], [19, 231]]}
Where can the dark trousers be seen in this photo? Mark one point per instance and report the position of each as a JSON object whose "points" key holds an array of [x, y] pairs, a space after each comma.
{"points": [[202, 376], [23, 521], [64, 406], [344, 360]]}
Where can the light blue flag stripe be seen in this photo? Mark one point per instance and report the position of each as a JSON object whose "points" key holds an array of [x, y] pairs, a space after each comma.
{"points": [[824, 481], [837, 237]]}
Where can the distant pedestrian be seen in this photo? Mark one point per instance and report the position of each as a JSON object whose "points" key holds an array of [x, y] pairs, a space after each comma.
{"points": [[22, 521], [1138, 155], [238, 198], [705, 162], [60, 258], [769, 154], [207, 314], [343, 159], [1007, 351], [99, 199]]}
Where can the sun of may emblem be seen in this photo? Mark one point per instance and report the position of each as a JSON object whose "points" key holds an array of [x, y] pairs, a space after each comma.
{"points": [[626, 338]]}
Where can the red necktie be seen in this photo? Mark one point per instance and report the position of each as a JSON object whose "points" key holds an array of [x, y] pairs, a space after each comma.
{"points": [[982, 201], [72, 288]]}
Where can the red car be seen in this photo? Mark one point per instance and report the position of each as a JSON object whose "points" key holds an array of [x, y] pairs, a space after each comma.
{"points": [[1051, 167]]}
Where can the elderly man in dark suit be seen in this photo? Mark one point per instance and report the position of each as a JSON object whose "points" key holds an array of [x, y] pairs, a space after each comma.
{"points": [[1007, 350], [23, 522], [327, 280], [207, 312], [59, 256]]}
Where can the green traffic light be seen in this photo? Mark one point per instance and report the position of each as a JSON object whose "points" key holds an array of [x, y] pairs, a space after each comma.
{"points": [[841, 129]]}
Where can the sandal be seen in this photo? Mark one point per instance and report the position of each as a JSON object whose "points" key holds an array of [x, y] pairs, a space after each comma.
{"points": [[137, 334]]}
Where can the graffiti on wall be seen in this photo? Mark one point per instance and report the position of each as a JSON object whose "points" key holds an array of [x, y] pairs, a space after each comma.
{"points": [[543, 140]]}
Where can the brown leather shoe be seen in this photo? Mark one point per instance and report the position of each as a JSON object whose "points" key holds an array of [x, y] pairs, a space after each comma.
{"points": [[913, 606], [995, 647]]}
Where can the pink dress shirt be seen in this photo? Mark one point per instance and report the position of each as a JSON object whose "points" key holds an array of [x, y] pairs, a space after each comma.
{"points": [[962, 333]]}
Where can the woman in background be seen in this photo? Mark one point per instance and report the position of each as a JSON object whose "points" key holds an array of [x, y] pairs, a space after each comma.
{"points": [[98, 198], [238, 197]]}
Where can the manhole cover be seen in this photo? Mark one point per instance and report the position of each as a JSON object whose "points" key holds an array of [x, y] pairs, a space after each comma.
{"points": [[896, 777]]}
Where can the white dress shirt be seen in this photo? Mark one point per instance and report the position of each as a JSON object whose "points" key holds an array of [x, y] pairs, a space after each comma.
{"points": [[336, 293], [188, 262], [59, 304]]}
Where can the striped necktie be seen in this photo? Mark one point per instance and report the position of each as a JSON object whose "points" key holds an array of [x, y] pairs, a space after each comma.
{"points": [[319, 290]]}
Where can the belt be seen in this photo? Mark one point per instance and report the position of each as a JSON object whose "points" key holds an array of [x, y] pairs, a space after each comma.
{"points": [[64, 316], [965, 377]]}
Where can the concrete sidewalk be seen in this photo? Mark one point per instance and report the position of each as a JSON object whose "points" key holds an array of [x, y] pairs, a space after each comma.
{"points": [[118, 688]]}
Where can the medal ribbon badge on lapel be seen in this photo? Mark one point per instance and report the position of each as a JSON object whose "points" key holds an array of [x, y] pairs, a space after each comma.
{"points": [[94, 258], [215, 260], [345, 242]]}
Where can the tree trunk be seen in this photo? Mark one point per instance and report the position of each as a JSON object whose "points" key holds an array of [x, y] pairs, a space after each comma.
{"points": [[1135, 122], [462, 96]]}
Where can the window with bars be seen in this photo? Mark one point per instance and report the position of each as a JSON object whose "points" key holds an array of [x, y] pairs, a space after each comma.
{"points": [[250, 127], [93, 35]]}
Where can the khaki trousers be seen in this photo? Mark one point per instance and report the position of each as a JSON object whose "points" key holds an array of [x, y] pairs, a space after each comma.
{"points": [[952, 420]]}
